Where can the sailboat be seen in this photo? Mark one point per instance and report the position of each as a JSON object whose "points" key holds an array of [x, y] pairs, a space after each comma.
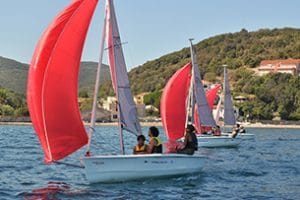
{"points": [[52, 97], [184, 101], [229, 116]]}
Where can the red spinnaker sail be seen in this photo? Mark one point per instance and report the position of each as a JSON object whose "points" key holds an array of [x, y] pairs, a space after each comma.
{"points": [[53, 82], [173, 103], [211, 95]]}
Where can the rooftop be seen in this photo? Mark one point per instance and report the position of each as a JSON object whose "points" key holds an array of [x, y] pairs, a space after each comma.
{"points": [[275, 62]]}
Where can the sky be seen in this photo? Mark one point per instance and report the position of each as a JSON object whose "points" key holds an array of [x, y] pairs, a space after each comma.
{"points": [[150, 28]]}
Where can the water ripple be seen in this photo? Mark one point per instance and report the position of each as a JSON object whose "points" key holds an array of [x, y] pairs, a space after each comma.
{"points": [[268, 168]]}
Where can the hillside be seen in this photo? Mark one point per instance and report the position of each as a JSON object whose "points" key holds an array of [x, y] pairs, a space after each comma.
{"points": [[235, 49], [13, 75], [274, 95]]}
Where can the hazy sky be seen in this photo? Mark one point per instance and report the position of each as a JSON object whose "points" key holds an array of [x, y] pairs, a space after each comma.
{"points": [[152, 28]]}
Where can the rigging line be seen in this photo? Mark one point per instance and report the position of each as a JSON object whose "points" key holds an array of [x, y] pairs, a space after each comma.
{"points": [[110, 145], [103, 139]]}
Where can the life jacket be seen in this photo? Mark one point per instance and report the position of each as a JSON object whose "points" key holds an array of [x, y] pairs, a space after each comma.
{"points": [[158, 147], [138, 149]]}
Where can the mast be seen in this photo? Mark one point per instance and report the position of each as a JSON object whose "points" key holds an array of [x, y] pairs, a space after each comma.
{"points": [[121, 138], [96, 89], [191, 100]]}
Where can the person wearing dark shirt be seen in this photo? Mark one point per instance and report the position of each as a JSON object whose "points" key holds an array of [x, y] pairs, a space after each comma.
{"points": [[190, 144]]}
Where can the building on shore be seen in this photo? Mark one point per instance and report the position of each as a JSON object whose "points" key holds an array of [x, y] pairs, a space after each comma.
{"points": [[139, 99], [290, 66], [110, 104]]}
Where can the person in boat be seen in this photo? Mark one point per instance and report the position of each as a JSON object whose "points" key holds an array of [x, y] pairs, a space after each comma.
{"points": [[235, 131], [141, 147], [190, 144], [155, 144], [217, 131], [242, 130], [204, 131]]}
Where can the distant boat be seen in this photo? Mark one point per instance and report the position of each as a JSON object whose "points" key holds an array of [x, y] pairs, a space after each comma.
{"points": [[184, 101], [229, 116], [52, 100]]}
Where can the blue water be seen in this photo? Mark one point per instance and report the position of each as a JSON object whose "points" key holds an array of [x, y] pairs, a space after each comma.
{"points": [[268, 168]]}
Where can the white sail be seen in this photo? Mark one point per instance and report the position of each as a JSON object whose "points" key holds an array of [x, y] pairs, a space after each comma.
{"points": [[218, 112], [128, 117], [204, 111], [229, 118]]}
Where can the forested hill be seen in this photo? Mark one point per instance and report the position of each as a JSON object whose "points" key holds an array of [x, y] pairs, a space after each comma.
{"points": [[13, 75], [234, 49]]}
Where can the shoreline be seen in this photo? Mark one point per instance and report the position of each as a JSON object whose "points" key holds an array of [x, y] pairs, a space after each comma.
{"points": [[146, 124]]}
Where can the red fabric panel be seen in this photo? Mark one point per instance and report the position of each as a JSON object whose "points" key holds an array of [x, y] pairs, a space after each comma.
{"points": [[173, 103], [53, 82]]}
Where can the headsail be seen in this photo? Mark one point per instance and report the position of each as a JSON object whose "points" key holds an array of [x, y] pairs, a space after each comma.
{"points": [[128, 112], [204, 112], [229, 118], [53, 82], [173, 103]]}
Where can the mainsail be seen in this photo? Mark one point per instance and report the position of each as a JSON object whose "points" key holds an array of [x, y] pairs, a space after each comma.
{"points": [[127, 109], [53, 82], [173, 103], [204, 112], [211, 95], [229, 118]]}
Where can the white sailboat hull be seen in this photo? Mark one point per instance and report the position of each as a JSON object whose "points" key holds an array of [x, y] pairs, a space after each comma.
{"points": [[118, 168], [218, 141]]}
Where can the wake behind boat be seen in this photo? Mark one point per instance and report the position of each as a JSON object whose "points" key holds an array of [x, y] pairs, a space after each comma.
{"points": [[53, 102]]}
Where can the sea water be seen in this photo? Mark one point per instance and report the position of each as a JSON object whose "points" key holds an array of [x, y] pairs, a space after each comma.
{"points": [[267, 168]]}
